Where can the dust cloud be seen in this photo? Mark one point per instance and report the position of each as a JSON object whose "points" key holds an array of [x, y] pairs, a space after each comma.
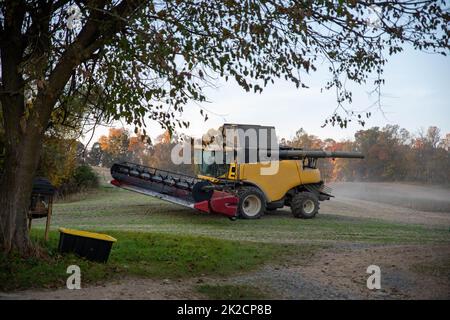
{"points": [[412, 196]]}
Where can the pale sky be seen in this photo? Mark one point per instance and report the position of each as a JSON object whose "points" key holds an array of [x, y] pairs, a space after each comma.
{"points": [[416, 95]]}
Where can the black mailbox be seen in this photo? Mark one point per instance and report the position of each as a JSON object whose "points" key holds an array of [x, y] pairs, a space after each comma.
{"points": [[41, 202]]}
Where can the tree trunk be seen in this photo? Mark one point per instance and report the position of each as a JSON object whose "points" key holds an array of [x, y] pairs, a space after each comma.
{"points": [[22, 156]]}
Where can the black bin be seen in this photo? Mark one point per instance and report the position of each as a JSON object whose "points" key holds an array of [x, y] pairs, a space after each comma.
{"points": [[92, 246]]}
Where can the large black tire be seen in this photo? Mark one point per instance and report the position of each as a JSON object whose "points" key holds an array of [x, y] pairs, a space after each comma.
{"points": [[252, 203], [305, 205]]}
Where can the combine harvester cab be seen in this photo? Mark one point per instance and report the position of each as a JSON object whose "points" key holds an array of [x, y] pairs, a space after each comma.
{"points": [[184, 190]]}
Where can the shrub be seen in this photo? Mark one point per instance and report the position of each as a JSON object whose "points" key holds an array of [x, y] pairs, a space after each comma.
{"points": [[82, 178], [85, 177]]}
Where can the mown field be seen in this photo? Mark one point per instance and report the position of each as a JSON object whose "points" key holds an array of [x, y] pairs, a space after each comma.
{"points": [[116, 209]]}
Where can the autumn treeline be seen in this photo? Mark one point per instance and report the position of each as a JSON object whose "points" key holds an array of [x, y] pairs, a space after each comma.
{"points": [[391, 154], [120, 145]]}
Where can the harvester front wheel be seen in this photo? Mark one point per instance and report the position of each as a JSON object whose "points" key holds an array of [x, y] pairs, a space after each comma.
{"points": [[251, 203], [305, 205]]}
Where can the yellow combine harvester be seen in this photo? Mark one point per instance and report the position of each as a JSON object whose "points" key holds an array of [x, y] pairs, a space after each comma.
{"points": [[239, 180]]}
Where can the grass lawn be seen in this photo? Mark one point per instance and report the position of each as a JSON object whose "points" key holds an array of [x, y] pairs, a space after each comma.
{"points": [[147, 255]]}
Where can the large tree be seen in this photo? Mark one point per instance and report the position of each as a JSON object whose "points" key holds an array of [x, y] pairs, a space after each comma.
{"points": [[134, 60]]}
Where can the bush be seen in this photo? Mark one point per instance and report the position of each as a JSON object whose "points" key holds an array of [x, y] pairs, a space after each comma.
{"points": [[83, 178]]}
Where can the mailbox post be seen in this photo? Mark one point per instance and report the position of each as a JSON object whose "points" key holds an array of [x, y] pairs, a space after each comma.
{"points": [[41, 202]]}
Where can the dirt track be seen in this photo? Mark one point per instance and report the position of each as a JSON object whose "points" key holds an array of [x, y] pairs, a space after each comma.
{"points": [[116, 290], [342, 275]]}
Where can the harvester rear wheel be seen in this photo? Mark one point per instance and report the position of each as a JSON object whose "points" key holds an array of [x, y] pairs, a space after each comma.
{"points": [[251, 203], [305, 205]]}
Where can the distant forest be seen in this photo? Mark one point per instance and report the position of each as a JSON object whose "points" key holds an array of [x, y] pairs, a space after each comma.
{"points": [[391, 154]]}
